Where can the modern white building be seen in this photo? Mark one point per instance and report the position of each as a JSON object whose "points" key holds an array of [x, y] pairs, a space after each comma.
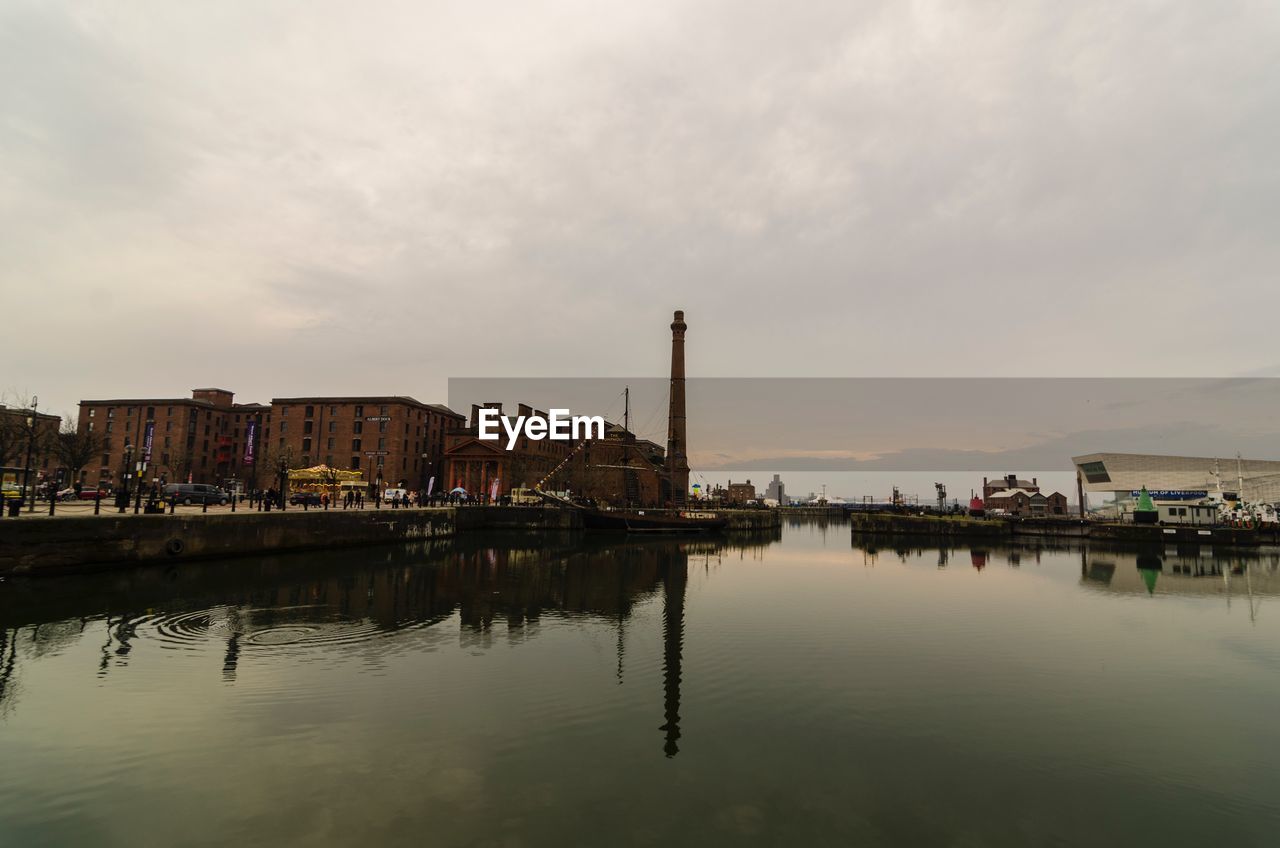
{"points": [[1180, 479]]}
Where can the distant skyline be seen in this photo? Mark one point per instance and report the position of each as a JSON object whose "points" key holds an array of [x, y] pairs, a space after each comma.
{"points": [[323, 198]]}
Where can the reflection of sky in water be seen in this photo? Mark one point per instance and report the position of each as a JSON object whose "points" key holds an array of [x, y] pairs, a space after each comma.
{"points": [[805, 691]]}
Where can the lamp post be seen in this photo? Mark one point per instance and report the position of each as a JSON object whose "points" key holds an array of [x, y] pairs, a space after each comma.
{"points": [[32, 420], [284, 481], [122, 498]]}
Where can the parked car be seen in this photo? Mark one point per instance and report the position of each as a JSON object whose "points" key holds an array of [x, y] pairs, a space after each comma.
{"points": [[308, 498], [89, 493], [195, 493], [389, 495], [67, 494]]}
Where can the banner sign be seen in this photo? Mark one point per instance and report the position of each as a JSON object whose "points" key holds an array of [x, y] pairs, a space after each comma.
{"points": [[147, 440], [1173, 494], [493, 490], [431, 484], [250, 438]]}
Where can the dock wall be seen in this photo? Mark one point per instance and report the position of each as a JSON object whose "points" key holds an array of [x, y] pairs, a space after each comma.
{"points": [[78, 543]]}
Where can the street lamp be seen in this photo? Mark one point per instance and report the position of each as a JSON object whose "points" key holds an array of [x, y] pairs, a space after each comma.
{"points": [[122, 497], [31, 439], [284, 482]]}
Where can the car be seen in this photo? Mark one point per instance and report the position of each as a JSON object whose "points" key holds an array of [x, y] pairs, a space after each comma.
{"points": [[307, 498], [88, 493], [195, 493], [389, 495]]}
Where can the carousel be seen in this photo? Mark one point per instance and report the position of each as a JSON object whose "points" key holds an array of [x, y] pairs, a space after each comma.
{"points": [[321, 478]]}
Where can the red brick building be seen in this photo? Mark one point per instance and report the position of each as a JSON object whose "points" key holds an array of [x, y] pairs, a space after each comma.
{"points": [[618, 470], [201, 437], [395, 439], [738, 494], [207, 436]]}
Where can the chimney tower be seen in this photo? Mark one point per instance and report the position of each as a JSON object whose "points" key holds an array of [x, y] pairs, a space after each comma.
{"points": [[677, 448]]}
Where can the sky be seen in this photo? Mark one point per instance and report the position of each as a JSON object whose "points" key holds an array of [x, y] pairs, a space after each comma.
{"points": [[300, 198]]}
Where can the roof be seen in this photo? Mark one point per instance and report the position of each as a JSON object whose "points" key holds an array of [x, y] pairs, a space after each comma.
{"points": [[1129, 472], [369, 399], [1008, 493], [151, 402]]}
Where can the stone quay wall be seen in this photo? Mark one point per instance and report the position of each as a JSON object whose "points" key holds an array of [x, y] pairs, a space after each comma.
{"points": [[42, 546]]}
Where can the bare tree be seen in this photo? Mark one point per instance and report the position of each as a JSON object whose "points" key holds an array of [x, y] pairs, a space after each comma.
{"points": [[22, 431], [74, 449], [179, 464]]}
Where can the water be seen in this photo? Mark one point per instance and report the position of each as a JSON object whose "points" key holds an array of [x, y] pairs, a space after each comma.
{"points": [[799, 691]]}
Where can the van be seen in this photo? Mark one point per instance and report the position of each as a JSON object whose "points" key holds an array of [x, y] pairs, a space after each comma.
{"points": [[525, 497], [389, 495], [195, 493]]}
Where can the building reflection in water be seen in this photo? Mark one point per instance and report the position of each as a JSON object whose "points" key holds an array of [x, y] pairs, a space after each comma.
{"points": [[328, 600], [1232, 573]]}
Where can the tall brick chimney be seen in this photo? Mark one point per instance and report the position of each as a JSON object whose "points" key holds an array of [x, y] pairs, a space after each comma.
{"points": [[677, 448]]}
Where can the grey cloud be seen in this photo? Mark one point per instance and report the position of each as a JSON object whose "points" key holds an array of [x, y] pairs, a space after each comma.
{"points": [[829, 188]]}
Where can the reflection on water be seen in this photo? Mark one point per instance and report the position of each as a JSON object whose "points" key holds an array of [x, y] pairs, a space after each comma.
{"points": [[790, 690], [296, 605]]}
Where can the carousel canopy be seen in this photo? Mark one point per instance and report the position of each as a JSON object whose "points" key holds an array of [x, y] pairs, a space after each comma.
{"points": [[323, 474]]}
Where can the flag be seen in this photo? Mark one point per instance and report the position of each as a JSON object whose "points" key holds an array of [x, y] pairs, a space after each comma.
{"points": [[250, 436], [431, 484]]}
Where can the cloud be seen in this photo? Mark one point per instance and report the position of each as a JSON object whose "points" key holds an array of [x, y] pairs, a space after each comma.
{"points": [[837, 188]]}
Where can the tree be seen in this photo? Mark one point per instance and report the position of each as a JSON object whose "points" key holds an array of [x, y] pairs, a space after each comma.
{"points": [[75, 449], [21, 430], [179, 464]]}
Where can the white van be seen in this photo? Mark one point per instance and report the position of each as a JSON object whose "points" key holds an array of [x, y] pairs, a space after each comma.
{"points": [[389, 495]]}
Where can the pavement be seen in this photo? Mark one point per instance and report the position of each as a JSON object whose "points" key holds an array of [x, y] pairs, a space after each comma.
{"points": [[73, 508]]}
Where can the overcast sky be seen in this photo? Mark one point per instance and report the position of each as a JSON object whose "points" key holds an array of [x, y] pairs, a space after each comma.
{"points": [[291, 198]]}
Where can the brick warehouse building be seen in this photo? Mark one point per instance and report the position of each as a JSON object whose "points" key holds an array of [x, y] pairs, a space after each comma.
{"points": [[201, 436], [396, 439], [618, 470], [205, 437]]}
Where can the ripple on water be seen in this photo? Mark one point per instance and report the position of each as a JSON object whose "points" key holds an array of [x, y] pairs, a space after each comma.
{"points": [[255, 629]]}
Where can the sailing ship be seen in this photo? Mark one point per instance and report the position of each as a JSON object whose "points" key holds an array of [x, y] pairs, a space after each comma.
{"points": [[676, 478]]}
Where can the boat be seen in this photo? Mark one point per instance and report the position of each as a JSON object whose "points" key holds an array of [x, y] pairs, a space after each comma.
{"points": [[639, 520]]}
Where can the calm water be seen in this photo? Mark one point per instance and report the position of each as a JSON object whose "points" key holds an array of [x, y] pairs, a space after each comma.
{"points": [[798, 691]]}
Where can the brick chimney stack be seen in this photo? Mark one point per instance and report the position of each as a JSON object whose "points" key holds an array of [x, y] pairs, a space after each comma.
{"points": [[677, 448]]}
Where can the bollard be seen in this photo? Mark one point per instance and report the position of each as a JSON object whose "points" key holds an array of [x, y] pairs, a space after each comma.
{"points": [[97, 501], [53, 499], [204, 505], [173, 505], [233, 501]]}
